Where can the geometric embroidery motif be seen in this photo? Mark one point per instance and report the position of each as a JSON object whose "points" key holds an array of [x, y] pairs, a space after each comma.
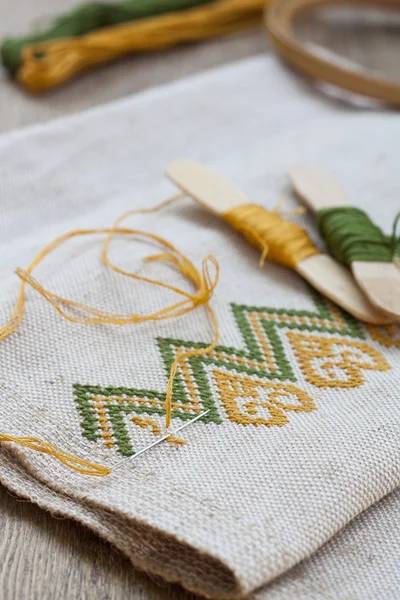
{"points": [[387, 335], [334, 362], [249, 401], [251, 385]]}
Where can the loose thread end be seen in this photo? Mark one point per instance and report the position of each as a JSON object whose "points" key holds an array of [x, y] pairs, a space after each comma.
{"points": [[264, 256], [74, 462], [300, 210]]}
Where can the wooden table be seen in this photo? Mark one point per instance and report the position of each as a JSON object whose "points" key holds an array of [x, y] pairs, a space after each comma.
{"points": [[41, 557]]}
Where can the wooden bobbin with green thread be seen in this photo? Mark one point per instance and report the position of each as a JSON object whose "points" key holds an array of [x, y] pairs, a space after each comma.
{"points": [[322, 271], [375, 270]]}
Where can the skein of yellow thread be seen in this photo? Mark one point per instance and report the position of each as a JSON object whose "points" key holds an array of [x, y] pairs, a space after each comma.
{"points": [[284, 242], [45, 66], [203, 281]]}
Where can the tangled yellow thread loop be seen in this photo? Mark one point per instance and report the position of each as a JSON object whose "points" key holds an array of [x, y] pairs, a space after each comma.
{"points": [[284, 242], [204, 281]]}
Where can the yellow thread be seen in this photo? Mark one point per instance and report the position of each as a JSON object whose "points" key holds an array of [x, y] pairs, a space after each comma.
{"points": [[246, 399], [336, 322], [147, 422], [203, 281], [191, 388], [387, 335], [282, 241], [239, 360], [78, 464], [103, 421], [193, 406], [49, 64], [205, 288], [299, 210], [333, 362]]}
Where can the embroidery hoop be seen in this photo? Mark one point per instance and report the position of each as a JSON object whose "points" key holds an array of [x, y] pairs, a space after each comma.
{"points": [[279, 19]]}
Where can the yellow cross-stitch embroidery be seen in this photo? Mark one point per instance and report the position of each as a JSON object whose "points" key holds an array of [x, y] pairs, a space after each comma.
{"points": [[334, 362], [250, 401], [252, 385], [387, 335]]}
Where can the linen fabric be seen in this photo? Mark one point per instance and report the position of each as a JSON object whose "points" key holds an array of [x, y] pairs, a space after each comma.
{"points": [[303, 430]]}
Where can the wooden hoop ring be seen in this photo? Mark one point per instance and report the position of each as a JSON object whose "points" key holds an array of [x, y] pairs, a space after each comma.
{"points": [[279, 18]]}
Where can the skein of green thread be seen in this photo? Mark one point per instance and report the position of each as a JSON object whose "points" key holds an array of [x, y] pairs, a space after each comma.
{"points": [[88, 17], [351, 236]]}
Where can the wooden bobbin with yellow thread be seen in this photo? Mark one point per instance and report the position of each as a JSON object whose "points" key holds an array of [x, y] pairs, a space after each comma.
{"points": [[282, 241]]}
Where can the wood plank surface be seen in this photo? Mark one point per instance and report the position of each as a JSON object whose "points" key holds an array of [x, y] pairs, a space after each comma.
{"points": [[41, 557]]}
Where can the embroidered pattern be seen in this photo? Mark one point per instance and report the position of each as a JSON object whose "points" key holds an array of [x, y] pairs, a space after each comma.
{"points": [[249, 401], [387, 335], [252, 385], [333, 362], [105, 410]]}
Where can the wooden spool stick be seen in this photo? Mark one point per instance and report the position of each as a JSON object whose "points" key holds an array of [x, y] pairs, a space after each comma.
{"points": [[379, 280], [323, 272]]}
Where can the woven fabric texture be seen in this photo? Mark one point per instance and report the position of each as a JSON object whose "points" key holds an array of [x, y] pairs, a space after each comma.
{"points": [[362, 561], [303, 430]]}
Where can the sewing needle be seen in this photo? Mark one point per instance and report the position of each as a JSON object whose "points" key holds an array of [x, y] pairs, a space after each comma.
{"points": [[165, 437]]}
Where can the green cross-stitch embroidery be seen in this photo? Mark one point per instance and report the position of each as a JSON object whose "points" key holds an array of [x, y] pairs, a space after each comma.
{"points": [[104, 410]]}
